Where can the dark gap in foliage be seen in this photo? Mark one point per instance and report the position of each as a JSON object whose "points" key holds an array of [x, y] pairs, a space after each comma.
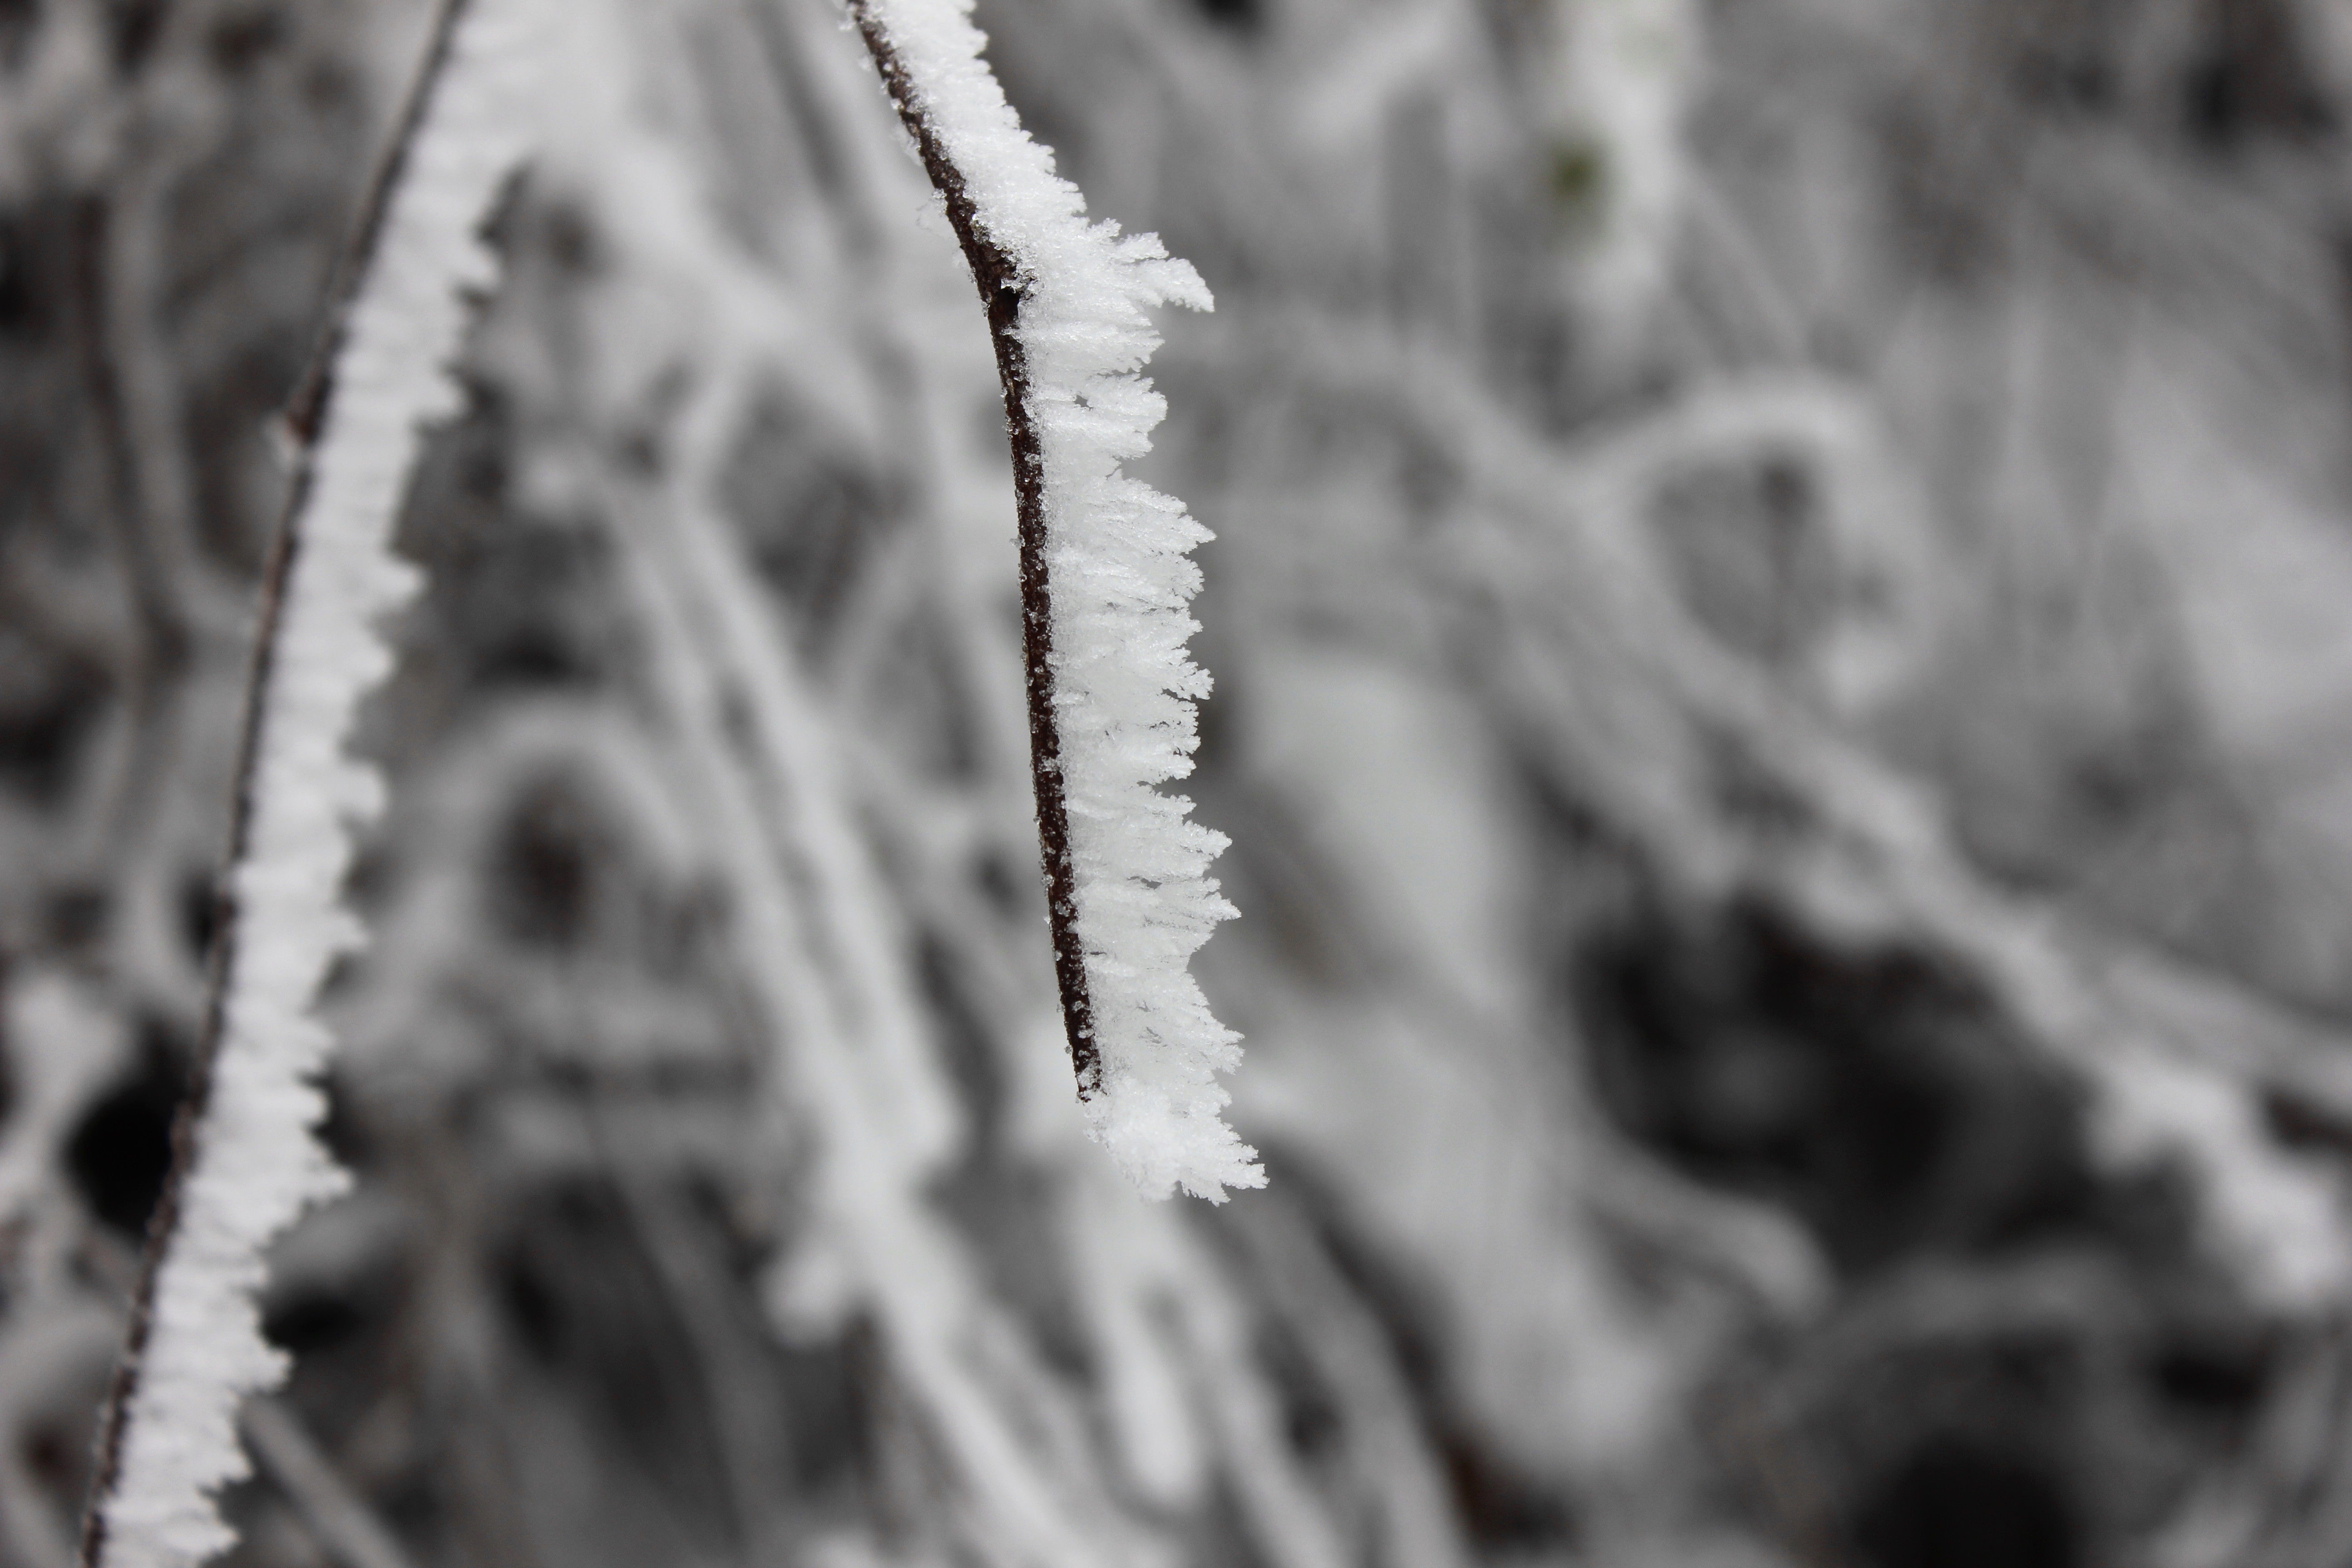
{"points": [[200, 914], [55, 1451], [2304, 1124], [1006, 888], [313, 1321], [535, 650], [1878, 1093], [2252, 80], [583, 1298], [2213, 1376], [49, 699], [240, 42], [343, 1130], [1501, 1507], [120, 1153], [567, 236], [336, 1310], [1312, 1421], [1957, 1504], [533, 1311], [133, 28], [34, 266], [546, 869], [1247, 17], [255, 1505]]}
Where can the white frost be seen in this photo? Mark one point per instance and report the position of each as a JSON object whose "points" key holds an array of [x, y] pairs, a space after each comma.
{"points": [[258, 1164], [1119, 561]]}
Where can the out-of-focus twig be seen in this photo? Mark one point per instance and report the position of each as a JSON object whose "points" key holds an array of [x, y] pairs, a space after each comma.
{"points": [[307, 419]]}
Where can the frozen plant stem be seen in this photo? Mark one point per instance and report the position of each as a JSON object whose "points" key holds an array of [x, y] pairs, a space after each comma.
{"points": [[1001, 292], [1105, 581], [245, 1159]]}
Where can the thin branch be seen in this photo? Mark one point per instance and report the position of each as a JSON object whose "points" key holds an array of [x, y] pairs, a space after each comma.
{"points": [[307, 418], [1001, 293], [306, 412]]}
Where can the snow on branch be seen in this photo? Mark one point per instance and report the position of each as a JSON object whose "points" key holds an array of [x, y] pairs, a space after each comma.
{"points": [[1106, 579], [246, 1161]]}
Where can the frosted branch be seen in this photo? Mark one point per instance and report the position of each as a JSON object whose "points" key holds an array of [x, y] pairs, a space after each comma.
{"points": [[1106, 578], [247, 1161]]}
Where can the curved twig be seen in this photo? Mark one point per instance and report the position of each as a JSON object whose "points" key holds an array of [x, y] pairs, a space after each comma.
{"points": [[1001, 293]]}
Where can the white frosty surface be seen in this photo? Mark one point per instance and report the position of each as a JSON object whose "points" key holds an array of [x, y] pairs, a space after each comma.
{"points": [[2274, 1216], [258, 1164], [1118, 560]]}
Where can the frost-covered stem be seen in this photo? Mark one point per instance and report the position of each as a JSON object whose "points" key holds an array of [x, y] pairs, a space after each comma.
{"points": [[1106, 581], [305, 411], [1001, 293], [244, 1160]]}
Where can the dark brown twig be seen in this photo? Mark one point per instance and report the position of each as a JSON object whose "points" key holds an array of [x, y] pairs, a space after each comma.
{"points": [[306, 417], [1001, 292]]}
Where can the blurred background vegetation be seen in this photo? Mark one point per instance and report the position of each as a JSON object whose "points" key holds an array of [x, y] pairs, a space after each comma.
{"points": [[1784, 708]]}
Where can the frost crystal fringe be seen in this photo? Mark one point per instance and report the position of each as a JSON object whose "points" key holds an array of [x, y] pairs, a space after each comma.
{"points": [[1106, 578], [248, 1161]]}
